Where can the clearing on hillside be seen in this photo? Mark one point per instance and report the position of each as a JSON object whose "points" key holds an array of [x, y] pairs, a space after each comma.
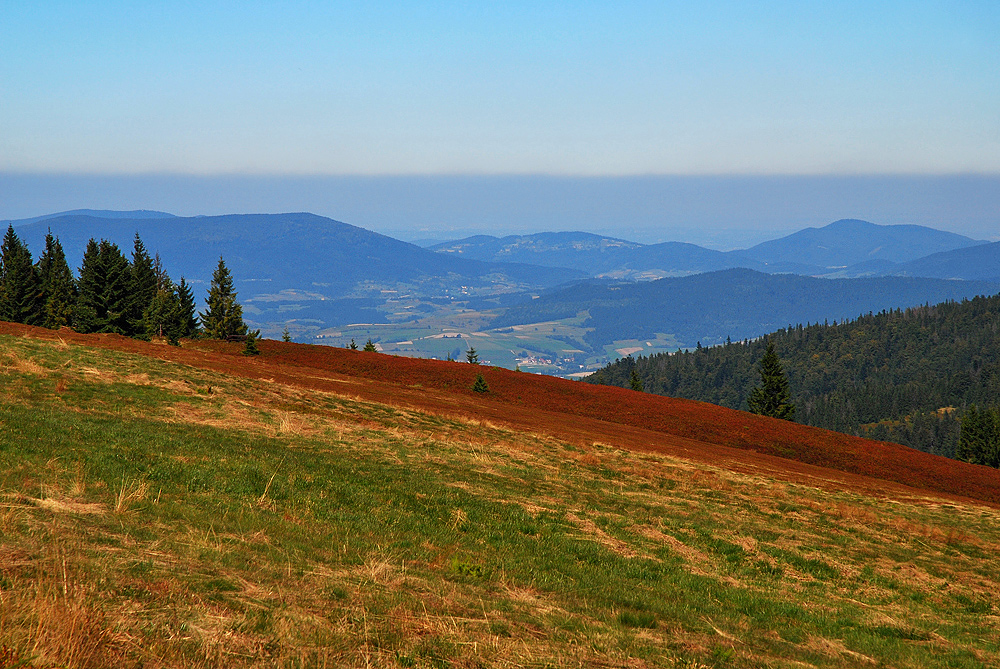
{"points": [[191, 508]]}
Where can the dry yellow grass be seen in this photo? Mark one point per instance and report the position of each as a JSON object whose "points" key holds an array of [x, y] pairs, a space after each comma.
{"points": [[241, 579]]}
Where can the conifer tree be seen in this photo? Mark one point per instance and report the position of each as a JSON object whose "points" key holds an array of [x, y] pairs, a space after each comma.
{"points": [[185, 301], [480, 385], [163, 318], [979, 438], [250, 343], [58, 287], [635, 382], [286, 336], [224, 316], [144, 282], [353, 346], [771, 398], [162, 278], [472, 356], [370, 346], [105, 281], [20, 293]]}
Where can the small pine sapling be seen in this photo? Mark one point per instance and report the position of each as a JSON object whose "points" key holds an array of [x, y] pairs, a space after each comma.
{"points": [[480, 385], [286, 335], [370, 346], [250, 345], [353, 346]]}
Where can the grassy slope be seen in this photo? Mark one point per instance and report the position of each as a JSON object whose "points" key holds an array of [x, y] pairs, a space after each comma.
{"points": [[160, 513]]}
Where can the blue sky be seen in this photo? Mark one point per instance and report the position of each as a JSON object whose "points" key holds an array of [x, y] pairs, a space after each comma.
{"points": [[558, 88]]}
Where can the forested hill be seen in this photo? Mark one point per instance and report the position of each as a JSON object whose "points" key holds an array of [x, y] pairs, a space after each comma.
{"points": [[736, 303], [904, 376]]}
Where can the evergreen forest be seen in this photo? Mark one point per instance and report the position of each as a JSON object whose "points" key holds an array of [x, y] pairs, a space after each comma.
{"points": [[916, 376], [113, 293]]}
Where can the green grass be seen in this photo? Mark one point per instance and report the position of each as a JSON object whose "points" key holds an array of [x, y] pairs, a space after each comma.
{"points": [[502, 347], [258, 525]]}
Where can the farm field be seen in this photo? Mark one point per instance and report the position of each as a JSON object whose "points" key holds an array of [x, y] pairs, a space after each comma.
{"points": [[438, 329], [320, 507], [554, 348]]}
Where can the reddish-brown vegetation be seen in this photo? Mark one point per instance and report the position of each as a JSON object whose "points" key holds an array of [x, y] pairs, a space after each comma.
{"points": [[583, 413]]}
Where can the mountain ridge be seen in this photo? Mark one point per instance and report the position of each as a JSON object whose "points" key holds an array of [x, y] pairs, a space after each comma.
{"points": [[848, 246]]}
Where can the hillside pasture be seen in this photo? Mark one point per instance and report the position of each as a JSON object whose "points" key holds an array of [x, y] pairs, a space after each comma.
{"points": [[160, 510]]}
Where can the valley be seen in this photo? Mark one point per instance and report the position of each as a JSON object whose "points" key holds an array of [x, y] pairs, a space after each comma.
{"points": [[556, 303]]}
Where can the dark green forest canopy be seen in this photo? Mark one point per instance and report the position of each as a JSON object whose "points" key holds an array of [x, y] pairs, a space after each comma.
{"points": [[904, 376]]}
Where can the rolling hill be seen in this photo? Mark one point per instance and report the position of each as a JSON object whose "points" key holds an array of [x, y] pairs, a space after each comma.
{"points": [[322, 506], [849, 242], [981, 262], [906, 376]]}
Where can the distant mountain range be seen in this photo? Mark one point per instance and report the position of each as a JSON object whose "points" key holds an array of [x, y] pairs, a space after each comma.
{"points": [[845, 248], [322, 269], [310, 269], [96, 213]]}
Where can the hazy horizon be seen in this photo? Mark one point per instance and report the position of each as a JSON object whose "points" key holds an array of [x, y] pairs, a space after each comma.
{"points": [[720, 212], [719, 123]]}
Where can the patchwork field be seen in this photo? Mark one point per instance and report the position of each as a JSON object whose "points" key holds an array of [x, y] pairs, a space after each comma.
{"points": [[316, 507]]}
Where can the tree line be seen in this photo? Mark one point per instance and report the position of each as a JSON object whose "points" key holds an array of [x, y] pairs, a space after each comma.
{"points": [[924, 377], [133, 296]]}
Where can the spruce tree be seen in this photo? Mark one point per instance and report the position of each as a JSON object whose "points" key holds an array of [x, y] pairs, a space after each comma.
{"points": [[480, 385], [970, 436], [58, 287], [185, 300], [250, 344], [286, 336], [472, 356], [979, 437], [370, 346], [105, 281], [144, 283], [771, 398], [162, 278], [993, 448], [20, 294], [224, 316], [635, 382], [163, 318]]}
